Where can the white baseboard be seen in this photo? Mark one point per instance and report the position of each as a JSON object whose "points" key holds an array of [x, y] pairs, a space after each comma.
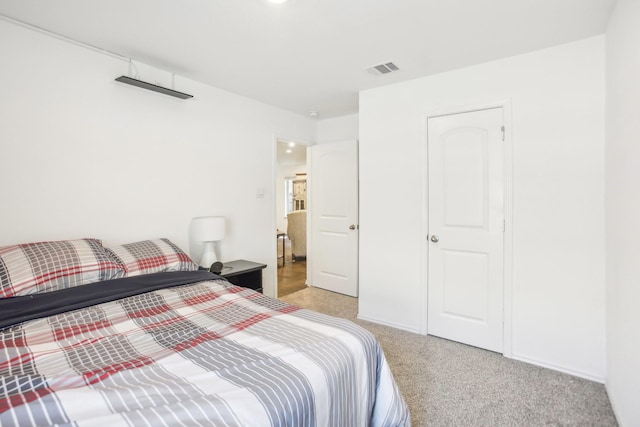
{"points": [[391, 324], [559, 368]]}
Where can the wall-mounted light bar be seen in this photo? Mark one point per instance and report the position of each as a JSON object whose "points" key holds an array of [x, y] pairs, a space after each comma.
{"points": [[155, 88]]}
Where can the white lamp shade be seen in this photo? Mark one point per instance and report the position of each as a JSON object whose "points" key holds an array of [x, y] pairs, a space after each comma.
{"points": [[208, 228]]}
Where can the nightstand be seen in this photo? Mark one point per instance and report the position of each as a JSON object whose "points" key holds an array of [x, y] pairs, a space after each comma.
{"points": [[244, 273]]}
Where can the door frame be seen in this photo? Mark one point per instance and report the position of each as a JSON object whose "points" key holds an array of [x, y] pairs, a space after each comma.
{"points": [[508, 213]]}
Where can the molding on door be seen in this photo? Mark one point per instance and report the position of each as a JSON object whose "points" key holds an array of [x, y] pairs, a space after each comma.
{"points": [[505, 104]]}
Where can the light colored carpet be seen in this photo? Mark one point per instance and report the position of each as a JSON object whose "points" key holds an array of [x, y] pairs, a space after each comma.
{"points": [[450, 384]]}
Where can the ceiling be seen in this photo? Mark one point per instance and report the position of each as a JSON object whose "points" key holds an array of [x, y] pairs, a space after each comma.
{"points": [[311, 55], [291, 154]]}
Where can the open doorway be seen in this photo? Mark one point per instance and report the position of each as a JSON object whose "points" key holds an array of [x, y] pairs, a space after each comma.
{"points": [[291, 215]]}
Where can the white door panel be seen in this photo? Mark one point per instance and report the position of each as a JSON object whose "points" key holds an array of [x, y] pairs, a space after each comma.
{"points": [[470, 281], [466, 220], [333, 208], [463, 159]]}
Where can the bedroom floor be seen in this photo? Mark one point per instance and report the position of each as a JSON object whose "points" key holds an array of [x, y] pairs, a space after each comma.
{"points": [[292, 276], [451, 384]]}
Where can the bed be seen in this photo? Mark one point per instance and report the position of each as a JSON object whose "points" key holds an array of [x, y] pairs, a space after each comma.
{"points": [[137, 335]]}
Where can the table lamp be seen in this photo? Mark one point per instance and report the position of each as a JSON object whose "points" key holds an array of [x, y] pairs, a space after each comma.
{"points": [[208, 229]]}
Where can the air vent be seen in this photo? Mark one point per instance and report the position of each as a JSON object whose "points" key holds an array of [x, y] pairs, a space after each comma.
{"points": [[383, 69]]}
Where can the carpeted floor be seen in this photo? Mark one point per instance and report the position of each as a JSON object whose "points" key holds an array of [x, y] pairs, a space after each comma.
{"points": [[450, 384]]}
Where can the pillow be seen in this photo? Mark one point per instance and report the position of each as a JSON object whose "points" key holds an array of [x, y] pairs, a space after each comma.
{"points": [[32, 268], [151, 256]]}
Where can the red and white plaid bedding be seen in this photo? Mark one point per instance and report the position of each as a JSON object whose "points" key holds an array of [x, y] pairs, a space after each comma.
{"points": [[32, 268], [150, 256], [207, 353]]}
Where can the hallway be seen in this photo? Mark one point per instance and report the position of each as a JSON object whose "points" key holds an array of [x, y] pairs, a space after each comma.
{"points": [[293, 275]]}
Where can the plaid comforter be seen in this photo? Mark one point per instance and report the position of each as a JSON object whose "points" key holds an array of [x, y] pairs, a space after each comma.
{"points": [[205, 353]]}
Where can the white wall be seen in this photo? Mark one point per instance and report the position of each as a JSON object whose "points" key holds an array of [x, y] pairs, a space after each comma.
{"points": [[83, 155], [344, 128], [557, 100], [623, 212]]}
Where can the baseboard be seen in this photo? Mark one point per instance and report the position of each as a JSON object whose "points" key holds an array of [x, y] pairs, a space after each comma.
{"points": [[390, 324], [559, 368]]}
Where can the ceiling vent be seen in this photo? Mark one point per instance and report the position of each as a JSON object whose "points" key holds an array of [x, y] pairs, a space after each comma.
{"points": [[383, 69]]}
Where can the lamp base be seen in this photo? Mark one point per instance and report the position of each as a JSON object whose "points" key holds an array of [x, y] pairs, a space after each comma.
{"points": [[208, 254]]}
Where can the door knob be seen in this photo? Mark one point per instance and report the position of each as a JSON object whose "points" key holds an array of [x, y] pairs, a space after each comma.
{"points": [[435, 238], [352, 227]]}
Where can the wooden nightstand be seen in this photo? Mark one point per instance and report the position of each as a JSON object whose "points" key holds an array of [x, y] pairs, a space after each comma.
{"points": [[244, 273]]}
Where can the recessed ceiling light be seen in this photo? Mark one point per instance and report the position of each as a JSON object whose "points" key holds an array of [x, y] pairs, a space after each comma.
{"points": [[292, 144], [288, 151], [314, 114]]}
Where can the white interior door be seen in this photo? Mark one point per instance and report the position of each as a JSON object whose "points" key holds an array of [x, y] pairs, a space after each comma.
{"points": [[333, 213], [466, 226]]}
